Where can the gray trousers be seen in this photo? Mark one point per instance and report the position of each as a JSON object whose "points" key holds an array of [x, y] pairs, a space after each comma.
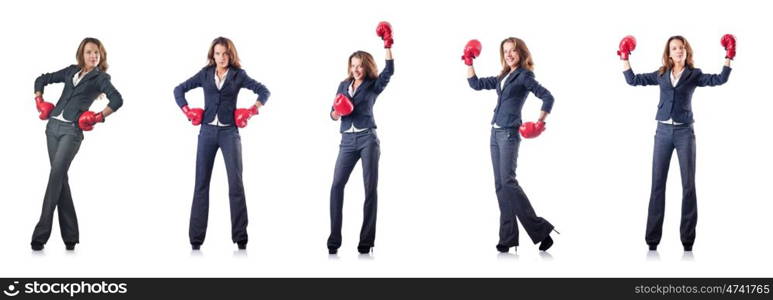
{"points": [[355, 146], [228, 140], [667, 139], [513, 203], [64, 140]]}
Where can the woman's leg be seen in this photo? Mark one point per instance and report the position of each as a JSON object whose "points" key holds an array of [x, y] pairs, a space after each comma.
{"points": [[684, 141], [231, 145], [536, 227], [68, 220], [205, 159], [62, 147], [661, 159], [347, 158], [508, 226], [370, 151]]}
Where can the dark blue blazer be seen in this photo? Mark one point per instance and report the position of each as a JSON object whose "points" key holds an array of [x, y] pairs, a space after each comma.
{"points": [[364, 98], [676, 101], [77, 99], [511, 98], [223, 101]]}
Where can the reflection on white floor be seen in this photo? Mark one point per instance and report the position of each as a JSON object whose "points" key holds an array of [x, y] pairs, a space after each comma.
{"points": [[507, 256], [688, 256], [653, 256], [567, 258]]}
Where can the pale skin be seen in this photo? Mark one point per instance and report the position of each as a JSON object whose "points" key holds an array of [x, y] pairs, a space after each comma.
{"points": [[222, 61], [91, 59], [358, 73], [678, 54], [511, 60]]}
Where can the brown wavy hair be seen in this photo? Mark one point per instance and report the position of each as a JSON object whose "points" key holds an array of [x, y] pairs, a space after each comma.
{"points": [[102, 54], [524, 56], [230, 49], [668, 63], [371, 71]]}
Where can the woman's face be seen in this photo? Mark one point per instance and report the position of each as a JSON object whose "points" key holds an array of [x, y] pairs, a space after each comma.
{"points": [[221, 57], [677, 51], [91, 55], [356, 68], [511, 55]]}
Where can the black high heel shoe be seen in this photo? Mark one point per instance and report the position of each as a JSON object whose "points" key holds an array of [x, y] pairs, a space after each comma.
{"points": [[547, 242], [36, 246], [70, 246], [506, 249], [364, 250], [332, 251]]}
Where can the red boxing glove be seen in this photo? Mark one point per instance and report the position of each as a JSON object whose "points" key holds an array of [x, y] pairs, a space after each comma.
{"points": [[241, 115], [88, 118], [193, 114], [471, 51], [44, 108], [531, 130], [384, 30], [627, 44], [728, 41], [342, 105]]}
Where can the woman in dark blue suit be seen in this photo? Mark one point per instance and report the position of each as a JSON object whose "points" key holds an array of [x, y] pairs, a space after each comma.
{"points": [[677, 79], [359, 141], [221, 80], [513, 86]]}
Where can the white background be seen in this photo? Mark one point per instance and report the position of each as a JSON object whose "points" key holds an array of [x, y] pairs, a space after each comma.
{"points": [[589, 173]]}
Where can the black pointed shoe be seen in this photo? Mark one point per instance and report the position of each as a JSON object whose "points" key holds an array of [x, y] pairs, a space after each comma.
{"points": [[36, 246], [546, 243], [505, 249]]}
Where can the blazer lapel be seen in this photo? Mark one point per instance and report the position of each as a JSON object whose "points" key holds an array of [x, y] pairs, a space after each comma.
{"points": [[359, 88], [508, 80], [70, 77], [229, 78], [685, 74], [513, 76], [346, 89], [210, 84], [90, 75], [209, 78]]}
